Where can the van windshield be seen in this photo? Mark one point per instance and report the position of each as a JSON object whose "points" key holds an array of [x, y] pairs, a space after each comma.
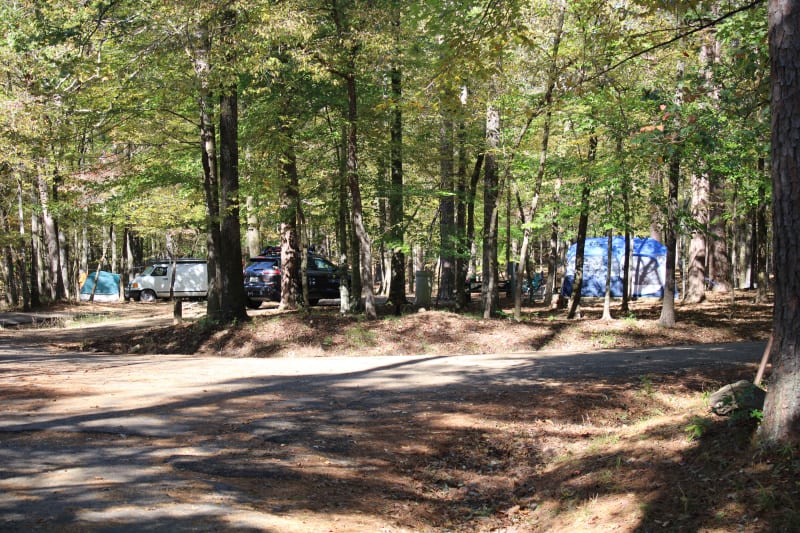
{"points": [[155, 270]]}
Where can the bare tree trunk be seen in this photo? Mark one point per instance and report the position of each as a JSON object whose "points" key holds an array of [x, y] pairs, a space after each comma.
{"points": [[583, 222], [21, 258], [57, 291], [696, 279], [365, 246], [233, 304], [253, 230], [667, 318], [490, 299], [291, 258], [761, 248], [781, 423], [656, 216], [552, 256], [609, 265], [446, 208], [200, 54], [397, 284], [719, 264], [547, 104], [9, 277]]}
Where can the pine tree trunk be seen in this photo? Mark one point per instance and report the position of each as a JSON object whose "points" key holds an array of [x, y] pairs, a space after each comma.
{"points": [[696, 278], [397, 282], [667, 318], [490, 299], [446, 209], [289, 198], [365, 250], [200, 53], [781, 421], [233, 304]]}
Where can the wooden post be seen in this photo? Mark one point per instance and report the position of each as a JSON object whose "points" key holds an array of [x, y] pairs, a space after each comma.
{"points": [[177, 311]]}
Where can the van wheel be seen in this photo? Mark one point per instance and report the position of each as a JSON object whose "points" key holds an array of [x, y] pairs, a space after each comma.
{"points": [[253, 304], [147, 296], [313, 301]]}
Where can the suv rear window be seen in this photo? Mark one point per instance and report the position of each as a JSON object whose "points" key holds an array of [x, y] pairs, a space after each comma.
{"points": [[264, 264]]}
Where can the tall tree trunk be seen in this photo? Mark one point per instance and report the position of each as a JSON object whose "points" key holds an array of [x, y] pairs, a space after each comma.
{"points": [[656, 214], [667, 318], [57, 291], [397, 289], [384, 270], [761, 248], [289, 198], [547, 103], [446, 207], [609, 265], [552, 256], [10, 278], [22, 267], [253, 227], [696, 278], [208, 144], [233, 298], [782, 406], [37, 255], [719, 261], [365, 246], [490, 299], [462, 245], [583, 223]]}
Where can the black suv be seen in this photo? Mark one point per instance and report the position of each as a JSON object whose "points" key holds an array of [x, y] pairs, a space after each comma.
{"points": [[262, 278]]}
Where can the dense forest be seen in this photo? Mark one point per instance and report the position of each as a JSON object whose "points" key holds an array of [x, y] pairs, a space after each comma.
{"points": [[395, 136]]}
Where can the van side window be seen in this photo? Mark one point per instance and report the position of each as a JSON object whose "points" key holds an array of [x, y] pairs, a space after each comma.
{"points": [[159, 271]]}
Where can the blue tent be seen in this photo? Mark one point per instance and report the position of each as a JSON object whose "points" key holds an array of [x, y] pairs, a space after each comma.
{"points": [[647, 267], [107, 287]]}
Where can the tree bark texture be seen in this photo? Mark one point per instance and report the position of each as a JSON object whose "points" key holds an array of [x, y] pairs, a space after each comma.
{"points": [[781, 421], [695, 286], [291, 296], [490, 298], [365, 246], [547, 104], [583, 222], [397, 282], [667, 318], [208, 145], [446, 208], [57, 290], [233, 303], [253, 228]]}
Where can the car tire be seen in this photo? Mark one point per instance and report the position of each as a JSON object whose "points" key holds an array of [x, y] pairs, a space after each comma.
{"points": [[147, 296], [313, 301], [253, 304]]}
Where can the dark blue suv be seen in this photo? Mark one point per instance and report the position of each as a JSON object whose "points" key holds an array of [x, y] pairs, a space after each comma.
{"points": [[262, 278]]}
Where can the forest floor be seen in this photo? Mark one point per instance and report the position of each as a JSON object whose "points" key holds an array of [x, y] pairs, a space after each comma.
{"points": [[626, 451]]}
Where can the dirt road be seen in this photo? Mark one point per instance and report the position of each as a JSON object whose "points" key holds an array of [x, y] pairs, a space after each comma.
{"points": [[92, 442]]}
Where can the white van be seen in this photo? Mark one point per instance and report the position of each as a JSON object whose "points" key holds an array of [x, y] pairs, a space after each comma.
{"points": [[191, 280]]}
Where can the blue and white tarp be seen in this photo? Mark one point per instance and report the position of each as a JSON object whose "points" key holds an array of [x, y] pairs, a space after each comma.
{"points": [[647, 267]]}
